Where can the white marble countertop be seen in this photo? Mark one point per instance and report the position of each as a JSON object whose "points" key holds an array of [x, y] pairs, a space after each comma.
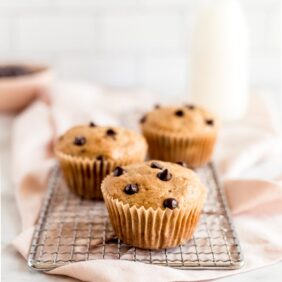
{"points": [[14, 267]]}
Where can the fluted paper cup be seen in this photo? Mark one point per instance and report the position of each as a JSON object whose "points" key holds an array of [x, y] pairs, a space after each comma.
{"points": [[153, 228], [84, 176], [195, 151]]}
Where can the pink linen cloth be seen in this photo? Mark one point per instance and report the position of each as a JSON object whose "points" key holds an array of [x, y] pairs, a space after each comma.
{"points": [[248, 158]]}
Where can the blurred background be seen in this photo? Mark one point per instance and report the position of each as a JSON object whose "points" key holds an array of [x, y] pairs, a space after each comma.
{"points": [[130, 43]]}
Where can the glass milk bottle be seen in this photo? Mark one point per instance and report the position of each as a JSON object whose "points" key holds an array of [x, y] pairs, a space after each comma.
{"points": [[219, 60]]}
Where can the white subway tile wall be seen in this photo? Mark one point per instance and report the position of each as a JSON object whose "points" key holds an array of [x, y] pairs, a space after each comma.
{"points": [[129, 43], [5, 34], [56, 33]]}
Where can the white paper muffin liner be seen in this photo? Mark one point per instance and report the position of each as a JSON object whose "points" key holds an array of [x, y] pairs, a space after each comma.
{"points": [[195, 151], [150, 228], [84, 176]]}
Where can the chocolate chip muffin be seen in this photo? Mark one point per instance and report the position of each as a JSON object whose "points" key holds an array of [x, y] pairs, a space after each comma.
{"points": [[153, 205], [87, 153], [186, 133]]}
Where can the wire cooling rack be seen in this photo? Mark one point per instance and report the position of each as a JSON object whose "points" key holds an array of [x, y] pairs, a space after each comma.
{"points": [[70, 229]]}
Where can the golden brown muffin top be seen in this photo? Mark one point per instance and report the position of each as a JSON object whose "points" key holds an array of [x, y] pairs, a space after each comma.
{"points": [[102, 143], [154, 184], [183, 120]]}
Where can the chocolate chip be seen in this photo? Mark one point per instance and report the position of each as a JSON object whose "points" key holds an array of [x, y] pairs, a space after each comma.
{"points": [[156, 165], [190, 107], [182, 164], [111, 132], [209, 122], [79, 140], [118, 171], [164, 175], [179, 113], [100, 158], [170, 203], [92, 124], [143, 119], [157, 106], [131, 189]]}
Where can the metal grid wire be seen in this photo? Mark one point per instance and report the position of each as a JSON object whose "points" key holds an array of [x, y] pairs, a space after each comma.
{"points": [[71, 229]]}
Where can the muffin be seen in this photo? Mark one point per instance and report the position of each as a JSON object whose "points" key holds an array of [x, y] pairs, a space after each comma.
{"points": [[87, 153], [186, 133], [153, 205]]}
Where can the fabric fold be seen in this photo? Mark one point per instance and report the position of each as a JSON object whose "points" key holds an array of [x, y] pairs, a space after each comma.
{"points": [[255, 202]]}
